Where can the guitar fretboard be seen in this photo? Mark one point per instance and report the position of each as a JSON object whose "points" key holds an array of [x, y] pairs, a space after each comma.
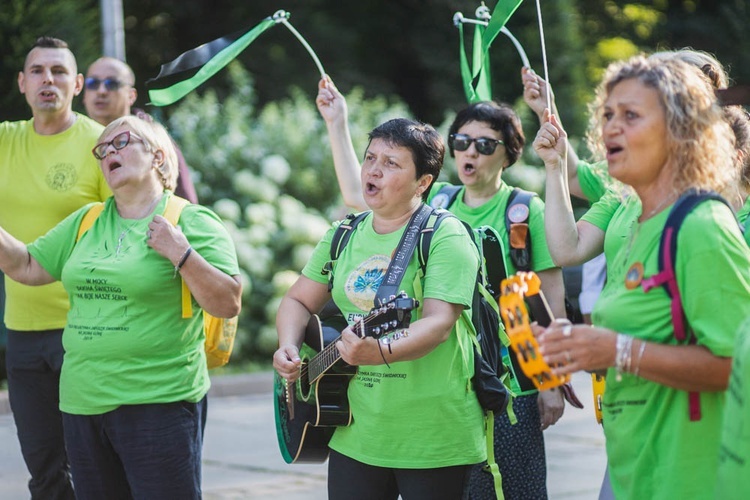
{"points": [[326, 358]]}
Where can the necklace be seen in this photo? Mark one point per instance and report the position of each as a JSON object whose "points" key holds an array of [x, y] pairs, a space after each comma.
{"points": [[122, 235], [666, 201], [125, 231], [634, 273]]}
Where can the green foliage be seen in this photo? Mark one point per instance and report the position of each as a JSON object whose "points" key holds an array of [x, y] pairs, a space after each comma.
{"points": [[269, 174]]}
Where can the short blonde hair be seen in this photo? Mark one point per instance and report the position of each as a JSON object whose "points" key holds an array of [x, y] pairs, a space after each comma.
{"points": [[699, 141], [155, 138]]}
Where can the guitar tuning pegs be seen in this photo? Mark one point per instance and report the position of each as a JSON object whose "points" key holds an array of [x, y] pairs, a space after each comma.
{"points": [[376, 331], [393, 323]]}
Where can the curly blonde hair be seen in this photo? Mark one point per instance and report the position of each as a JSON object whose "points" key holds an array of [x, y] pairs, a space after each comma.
{"points": [[699, 141], [704, 61], [155, 138]]}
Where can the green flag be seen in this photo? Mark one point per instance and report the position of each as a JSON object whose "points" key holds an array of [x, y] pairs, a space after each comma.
{"points": [[179, 77], [476, 78]]}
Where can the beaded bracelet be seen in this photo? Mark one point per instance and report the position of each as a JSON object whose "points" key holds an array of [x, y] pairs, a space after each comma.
{"points": [[182, 261]]}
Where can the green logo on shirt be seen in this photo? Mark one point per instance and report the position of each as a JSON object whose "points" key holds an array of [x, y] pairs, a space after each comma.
{"points": [[61, 177]]}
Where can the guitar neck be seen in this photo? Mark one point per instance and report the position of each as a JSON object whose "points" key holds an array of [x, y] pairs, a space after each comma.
{"points": [[323, 361], [392, 315]]}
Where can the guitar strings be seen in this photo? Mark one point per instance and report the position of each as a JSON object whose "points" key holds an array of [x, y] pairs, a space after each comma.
{"points": [[330, 348]]}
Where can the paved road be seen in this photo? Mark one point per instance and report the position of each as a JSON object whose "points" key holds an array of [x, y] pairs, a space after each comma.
{"points": [[241, 458]]}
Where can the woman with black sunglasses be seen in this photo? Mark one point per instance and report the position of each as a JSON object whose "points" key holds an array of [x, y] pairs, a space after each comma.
{"points": [[485, 138]]}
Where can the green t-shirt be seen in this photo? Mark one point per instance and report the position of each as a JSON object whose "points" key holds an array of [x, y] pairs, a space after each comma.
{"points": [[492, 213], [734, 452], [654, 450], [126, 341], [416, 414], [43, 179], [594, 179], [602, 210]]}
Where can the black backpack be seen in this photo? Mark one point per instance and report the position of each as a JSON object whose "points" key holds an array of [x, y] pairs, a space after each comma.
{"points": [[517, 212], [489, 370]]}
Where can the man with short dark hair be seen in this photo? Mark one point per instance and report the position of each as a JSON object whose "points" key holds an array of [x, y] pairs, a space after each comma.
{"points": [[110, 94], [47, 171]]}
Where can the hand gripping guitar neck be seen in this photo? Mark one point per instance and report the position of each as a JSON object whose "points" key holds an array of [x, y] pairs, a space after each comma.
{"points": [[514, 289]]}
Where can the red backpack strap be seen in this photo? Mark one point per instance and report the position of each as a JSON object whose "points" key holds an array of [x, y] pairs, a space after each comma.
{"points": [[667, 278]]}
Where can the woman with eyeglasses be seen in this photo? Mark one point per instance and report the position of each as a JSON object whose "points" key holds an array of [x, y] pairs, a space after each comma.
{"points": [[134, 379], [485, 138]]}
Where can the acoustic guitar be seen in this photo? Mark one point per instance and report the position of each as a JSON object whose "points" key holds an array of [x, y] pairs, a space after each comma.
{"points": [[309, 409]]}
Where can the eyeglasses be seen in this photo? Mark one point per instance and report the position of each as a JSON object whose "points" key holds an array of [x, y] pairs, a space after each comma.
{"points": [[484, 145], [118, 142], [110, 84]]}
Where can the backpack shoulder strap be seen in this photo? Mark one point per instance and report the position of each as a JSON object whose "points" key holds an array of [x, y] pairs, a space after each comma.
{"points": [[445, 197], [426, 232], [517, 213], [172, 212], [666, 277], [668, 253], [340, 239], [89, 218], [344, 232], [493, 255], [174, 207]]}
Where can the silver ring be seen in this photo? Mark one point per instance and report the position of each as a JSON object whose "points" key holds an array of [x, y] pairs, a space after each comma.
{"points": [[568, 359], [148, 234], [567, 330]]}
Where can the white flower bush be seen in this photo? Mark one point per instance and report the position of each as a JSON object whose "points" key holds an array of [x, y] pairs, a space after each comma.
{"points": [[227, 209], [276, 168]]}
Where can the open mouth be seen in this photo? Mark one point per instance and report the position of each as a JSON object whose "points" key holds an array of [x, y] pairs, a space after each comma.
{"points": [[114, 166], [370, 188], [468, 168], [47, 94]]}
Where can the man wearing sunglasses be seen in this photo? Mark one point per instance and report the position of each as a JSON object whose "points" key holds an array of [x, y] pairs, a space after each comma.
{"points": [[46, 173], [110, 93]]}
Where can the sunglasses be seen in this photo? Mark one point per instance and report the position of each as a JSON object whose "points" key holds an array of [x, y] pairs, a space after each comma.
{"points": [[110, 84], [484, 145], [118, 142]]}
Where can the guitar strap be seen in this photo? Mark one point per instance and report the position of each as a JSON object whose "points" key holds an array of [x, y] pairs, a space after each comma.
{"points": [[405, 249]]}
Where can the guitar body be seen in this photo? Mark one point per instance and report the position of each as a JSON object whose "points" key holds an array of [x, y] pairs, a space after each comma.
{"points": [[307, 414], [309, 409]]}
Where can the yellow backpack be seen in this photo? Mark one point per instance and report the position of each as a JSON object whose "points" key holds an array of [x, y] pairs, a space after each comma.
{"points": [[220, 332]]}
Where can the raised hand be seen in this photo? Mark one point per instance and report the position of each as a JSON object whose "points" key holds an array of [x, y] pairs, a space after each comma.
{"points": [[551, 142], [535, 92], [331, 104]]}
